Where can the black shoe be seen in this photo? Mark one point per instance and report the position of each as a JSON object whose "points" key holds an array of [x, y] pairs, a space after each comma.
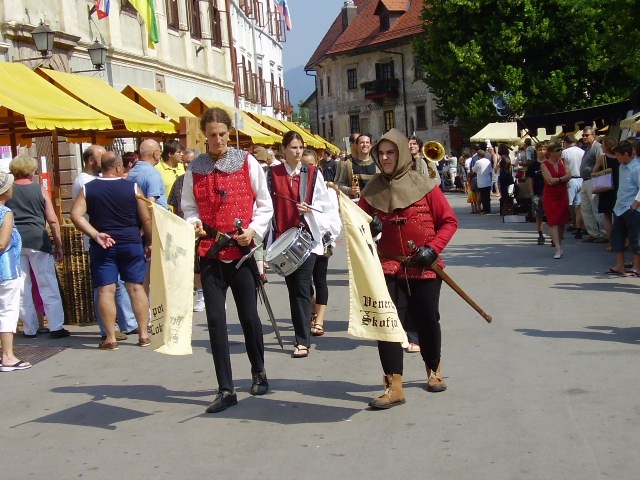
{"points": [[260, 385], [42, 331], [224, 399], [541, 240], [132, 332], [578, 235], [60, 333], [35, 335]]}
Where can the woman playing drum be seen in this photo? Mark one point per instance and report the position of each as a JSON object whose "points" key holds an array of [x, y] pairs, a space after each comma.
{"points": [[300, 200]]}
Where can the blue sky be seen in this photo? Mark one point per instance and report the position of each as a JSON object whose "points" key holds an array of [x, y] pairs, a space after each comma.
{"points": [[311, 19]]}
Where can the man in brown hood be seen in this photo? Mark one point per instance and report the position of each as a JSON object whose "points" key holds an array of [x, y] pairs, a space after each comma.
{"points": [[406, 205]]}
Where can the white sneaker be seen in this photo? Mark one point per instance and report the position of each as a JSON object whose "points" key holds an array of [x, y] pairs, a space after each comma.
{"points": [[198, 305]]}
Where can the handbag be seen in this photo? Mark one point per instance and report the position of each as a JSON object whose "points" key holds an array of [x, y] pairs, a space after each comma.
{"points": [[602, 180]]}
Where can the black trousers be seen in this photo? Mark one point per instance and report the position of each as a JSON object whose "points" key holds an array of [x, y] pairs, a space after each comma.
{"points": [[216, 278], [422, 306], [299, 287], [485, 199], [320, 280]]}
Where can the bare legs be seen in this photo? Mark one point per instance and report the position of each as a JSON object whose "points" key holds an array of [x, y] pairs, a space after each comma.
{"points": [[140, 306]]}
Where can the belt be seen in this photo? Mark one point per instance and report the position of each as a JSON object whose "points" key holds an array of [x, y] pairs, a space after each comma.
{"points": [[398, 258], [576, 177], [216, 234]]}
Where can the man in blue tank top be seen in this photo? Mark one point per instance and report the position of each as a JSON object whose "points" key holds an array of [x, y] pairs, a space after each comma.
{"points": [[115, 218]]}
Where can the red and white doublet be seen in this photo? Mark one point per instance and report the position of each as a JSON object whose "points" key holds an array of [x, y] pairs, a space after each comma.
{"points": [[221, 198]]}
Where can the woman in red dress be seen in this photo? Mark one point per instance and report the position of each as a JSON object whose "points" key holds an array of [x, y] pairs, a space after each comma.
{"points": [[555, 199]]}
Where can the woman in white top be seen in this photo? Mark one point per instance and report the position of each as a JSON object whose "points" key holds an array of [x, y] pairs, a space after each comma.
{"points": [[300, 200]]}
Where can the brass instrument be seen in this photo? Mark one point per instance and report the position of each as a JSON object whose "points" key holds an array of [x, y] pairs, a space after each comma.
{"points": [[433, 152], [354, 181]]}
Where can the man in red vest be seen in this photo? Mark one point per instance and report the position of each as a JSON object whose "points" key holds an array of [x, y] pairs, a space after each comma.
{"points": [[220, 187]]}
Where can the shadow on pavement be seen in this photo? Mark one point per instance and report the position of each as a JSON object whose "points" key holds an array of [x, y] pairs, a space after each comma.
{"points": [[603, 333], [602, 286]]}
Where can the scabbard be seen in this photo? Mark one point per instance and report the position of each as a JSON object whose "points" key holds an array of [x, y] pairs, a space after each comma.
{"points": [[265, 301]]}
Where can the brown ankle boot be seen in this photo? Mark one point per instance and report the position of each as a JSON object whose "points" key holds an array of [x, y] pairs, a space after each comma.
{"points": [[393, 394], [435, 382]]}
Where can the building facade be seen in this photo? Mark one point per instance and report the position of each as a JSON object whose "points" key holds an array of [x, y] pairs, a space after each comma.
{"points": [[367, 79], [229, 51]]}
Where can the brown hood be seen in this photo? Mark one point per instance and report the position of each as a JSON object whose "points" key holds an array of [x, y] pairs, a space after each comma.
{"points": [[404, 186]]}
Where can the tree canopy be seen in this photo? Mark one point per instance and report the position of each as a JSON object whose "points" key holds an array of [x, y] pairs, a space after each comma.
{"points": [[550, 55]]}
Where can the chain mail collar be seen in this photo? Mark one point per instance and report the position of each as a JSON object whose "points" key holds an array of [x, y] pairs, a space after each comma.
{"points": [[230, 161]]}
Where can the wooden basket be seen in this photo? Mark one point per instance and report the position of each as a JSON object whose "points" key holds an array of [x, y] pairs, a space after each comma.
{"points": [[75, 277]]}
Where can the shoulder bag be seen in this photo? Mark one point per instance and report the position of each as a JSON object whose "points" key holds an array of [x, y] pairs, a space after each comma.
{"points": [[603, 179]]}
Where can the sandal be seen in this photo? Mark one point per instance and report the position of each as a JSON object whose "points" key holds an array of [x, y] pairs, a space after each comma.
{"points": [[413, 348], [300, 351], [317, 330]]}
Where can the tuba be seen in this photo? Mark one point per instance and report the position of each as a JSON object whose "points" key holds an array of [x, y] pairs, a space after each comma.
{"points": [[434, 152]]}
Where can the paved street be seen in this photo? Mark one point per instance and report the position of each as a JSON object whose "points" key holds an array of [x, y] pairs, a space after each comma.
{"points": [[549, 390]]}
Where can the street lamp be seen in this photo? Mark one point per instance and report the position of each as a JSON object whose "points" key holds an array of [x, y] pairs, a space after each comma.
{"points": [[43, 38], [98, 54]]}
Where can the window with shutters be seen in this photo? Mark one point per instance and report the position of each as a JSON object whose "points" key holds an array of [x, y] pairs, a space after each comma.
{"points": [[215, 23], [354, 123], [389, 120], [385, 71], [352, 78], [173, 18], [195, 27]]}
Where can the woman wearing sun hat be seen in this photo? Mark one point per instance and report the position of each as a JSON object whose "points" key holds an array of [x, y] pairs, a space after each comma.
{"points": [[10, 245]]}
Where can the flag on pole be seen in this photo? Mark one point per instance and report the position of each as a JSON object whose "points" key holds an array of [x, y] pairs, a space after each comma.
{"points": [[102, 7], [283, 9], [372, 313], [147, 10], [171, 288]]}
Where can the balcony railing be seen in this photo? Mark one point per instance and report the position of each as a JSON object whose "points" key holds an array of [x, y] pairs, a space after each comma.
{"points": [[381, 89]]}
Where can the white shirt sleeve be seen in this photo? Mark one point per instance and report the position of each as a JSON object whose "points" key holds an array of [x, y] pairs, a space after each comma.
{"points": [[263, 206], [188, 201]]}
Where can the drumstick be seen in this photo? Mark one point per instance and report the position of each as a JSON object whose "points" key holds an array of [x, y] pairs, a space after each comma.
{"points": [[292, 200]]}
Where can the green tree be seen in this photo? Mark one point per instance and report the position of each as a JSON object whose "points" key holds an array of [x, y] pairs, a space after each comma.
{"points": [[301, 116], [551, 55]]}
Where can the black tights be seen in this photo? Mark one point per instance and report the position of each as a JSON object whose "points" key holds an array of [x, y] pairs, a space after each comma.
{"points": [[423, 308]]}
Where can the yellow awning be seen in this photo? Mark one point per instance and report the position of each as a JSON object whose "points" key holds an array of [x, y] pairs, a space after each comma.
{"points": [[43, 106], [106, 99], [250, 128], [152, 100], [330, 146], [308, 139], [270, 122]]}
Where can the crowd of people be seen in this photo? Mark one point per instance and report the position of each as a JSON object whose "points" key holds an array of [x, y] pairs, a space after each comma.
{"points": [[239, 201], [557, 177]]}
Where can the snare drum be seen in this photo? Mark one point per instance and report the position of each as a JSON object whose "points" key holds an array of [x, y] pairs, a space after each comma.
{"points": [[289, 251]]}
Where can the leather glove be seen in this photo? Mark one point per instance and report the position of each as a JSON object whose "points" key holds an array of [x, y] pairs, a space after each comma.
{"points": [[375, 226], [425, 256]]}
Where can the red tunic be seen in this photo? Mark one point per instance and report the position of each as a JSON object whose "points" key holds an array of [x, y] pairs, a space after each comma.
{"points": [[429, 221], [285, 212], [221, 198]]}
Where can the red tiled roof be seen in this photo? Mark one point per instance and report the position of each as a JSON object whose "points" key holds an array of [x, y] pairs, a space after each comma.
{"points": [[364, 29], [396, 5]]}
